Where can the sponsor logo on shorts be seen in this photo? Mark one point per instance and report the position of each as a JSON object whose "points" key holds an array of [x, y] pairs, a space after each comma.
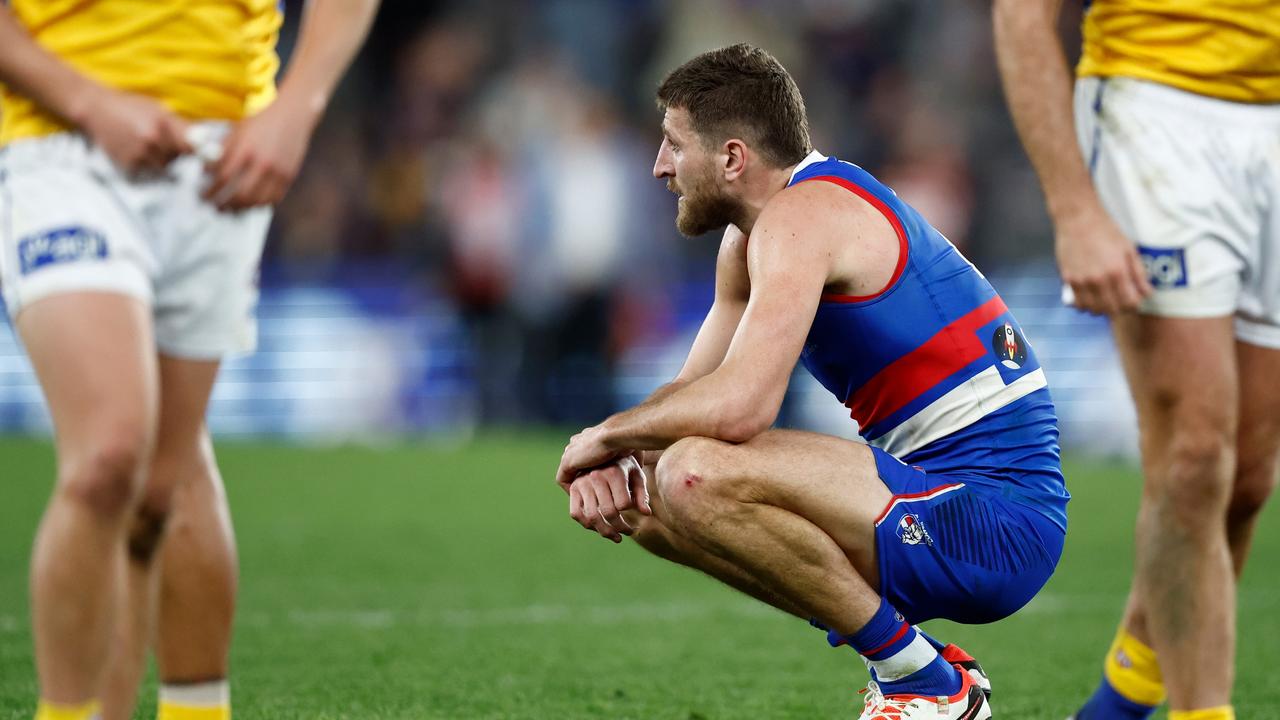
{"points": [[1009, 346], [60, 245], [912, 531], [1166, 267]]}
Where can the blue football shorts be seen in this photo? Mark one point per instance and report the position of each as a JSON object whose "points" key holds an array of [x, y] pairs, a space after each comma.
{"points": [[952, 546]]}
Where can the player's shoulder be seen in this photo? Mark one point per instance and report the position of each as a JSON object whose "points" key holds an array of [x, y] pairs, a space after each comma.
{"points": [[820, 210]]}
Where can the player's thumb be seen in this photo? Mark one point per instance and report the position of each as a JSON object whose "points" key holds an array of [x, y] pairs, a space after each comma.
{"points": [[1139, 273], [177, 132], [640, 491]]}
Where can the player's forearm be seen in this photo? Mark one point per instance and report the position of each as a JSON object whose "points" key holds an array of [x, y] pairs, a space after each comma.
{"points": [[1037, 85], [331, 34], [714, 406], [37, 74]]}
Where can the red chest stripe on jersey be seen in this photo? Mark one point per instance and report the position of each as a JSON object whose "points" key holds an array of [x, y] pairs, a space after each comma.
{"points": [[910, 376], [891, 216]]}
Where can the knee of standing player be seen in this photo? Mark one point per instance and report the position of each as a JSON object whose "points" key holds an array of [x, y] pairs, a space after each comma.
{"points": [[1255, 481], [147, 529], [691, 473], [106, 477], [1201, 470]]}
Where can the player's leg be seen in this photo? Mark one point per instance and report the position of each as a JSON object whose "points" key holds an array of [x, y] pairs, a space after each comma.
{"points": [[1182, 374], [652, 534], [1257, 447], [136, 625], [795, 514], [811, 542], [198, 566], [94, 356], [180, 552], [1131, 660]]}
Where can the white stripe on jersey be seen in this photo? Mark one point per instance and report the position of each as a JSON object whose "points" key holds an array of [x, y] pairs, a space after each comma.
{"points": [[964, 405]]}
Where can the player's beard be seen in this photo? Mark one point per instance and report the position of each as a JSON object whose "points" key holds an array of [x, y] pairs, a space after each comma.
{"points": [[703, 208]]}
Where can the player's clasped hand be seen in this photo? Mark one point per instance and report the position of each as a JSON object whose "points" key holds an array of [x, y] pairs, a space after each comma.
{"points": [[585, 451], [137, 133], [598, 498], [1100, 264], [260, 159]]}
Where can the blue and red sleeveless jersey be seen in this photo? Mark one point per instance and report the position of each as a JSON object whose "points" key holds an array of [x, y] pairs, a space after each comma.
{"points": [[934, 368]]}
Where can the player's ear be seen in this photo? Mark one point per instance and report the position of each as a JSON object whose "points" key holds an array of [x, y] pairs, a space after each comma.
{"points": [[733, 154]]}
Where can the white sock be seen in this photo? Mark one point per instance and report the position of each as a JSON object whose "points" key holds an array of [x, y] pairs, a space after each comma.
{"points": [[216, 693], [915, 656]]}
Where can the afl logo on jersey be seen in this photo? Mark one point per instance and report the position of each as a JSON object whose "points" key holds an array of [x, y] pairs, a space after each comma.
{"points": [[912, 531], [1009, 347]]}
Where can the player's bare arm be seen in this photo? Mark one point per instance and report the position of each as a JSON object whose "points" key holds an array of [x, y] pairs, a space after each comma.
{"points": [[261, 157], [1100, 265], [732, 290], [623, 481], [791, 259], [137, 133]]}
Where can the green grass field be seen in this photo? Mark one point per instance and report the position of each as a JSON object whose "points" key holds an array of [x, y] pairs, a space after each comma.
{"points": [[428, 581]]}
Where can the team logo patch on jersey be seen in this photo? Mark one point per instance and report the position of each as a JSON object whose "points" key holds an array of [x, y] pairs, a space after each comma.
{"points": [[1166, 267], [912, 531], [60, 245], [1009, 346]]}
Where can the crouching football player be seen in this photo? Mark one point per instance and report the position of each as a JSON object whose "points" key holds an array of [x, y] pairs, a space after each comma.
{"points": [[956, 507]]}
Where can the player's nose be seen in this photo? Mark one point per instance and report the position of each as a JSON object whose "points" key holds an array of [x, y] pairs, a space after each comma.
{"points": [[662, 166]]}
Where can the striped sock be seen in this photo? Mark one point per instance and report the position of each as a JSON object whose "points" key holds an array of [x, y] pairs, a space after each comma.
{"points": [[1218, 713], [900, 658], [1131, 687], [54, 711], [937, 644], [195, 701]]}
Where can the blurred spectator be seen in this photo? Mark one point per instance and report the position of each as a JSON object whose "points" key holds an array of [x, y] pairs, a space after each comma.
{"points": [[497, 153]]}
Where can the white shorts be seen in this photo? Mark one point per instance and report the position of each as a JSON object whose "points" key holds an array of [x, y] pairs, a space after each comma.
{"points": [[1195, 182], [70, 221]]}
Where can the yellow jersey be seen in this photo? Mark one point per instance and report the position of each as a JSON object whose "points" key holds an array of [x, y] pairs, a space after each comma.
{"points": [[203, 59], [1228, 49]]}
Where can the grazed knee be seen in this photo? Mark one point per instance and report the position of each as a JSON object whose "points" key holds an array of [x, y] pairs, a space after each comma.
{"points": [[691, 468]]}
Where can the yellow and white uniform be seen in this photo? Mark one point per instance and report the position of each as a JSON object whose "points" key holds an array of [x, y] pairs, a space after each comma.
{"points": [[1178, 115], [71, 221]]}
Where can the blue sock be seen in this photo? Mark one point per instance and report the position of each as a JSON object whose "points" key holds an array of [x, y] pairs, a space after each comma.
{"points": [[1107, 704], [901, 659], [937, 678]]}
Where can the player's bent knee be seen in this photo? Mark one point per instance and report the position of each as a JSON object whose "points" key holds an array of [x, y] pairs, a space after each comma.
{"points": [[107, 478], [690, 467]]}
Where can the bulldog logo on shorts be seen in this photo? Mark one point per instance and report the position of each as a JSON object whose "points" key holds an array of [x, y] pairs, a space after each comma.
{"points": [[912, 531]]}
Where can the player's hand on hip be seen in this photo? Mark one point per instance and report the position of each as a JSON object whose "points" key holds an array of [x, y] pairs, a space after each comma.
{"points": [[598, 498], [260, 159], [1100, 264], [137, 133]]}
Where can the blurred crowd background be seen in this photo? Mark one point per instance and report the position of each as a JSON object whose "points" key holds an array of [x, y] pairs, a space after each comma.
{"points": [[476, 238]]}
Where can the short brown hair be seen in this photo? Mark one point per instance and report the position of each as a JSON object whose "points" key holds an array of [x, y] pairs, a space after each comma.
{"points": [[741, 90]]}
